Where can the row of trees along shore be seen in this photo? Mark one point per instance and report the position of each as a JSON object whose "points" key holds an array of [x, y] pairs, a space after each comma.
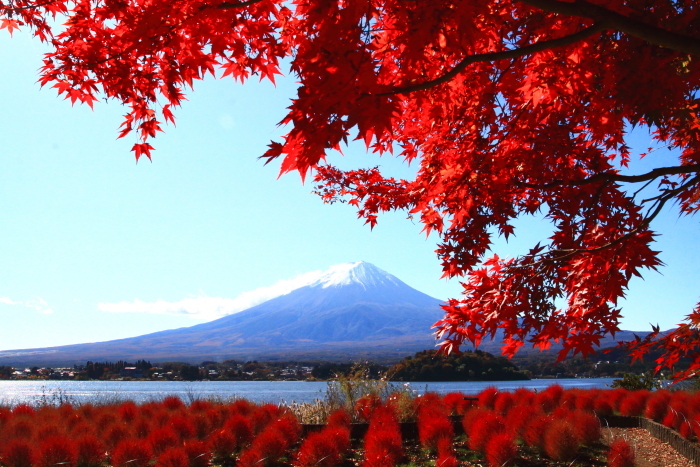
{"points": [[427, 365], [508, 108]]}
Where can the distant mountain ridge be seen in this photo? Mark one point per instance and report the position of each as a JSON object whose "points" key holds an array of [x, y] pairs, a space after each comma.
{"points": [[351, 311]]}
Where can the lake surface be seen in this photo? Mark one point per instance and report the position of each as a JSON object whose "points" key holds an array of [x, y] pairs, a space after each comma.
{"points": [[37, 392]]}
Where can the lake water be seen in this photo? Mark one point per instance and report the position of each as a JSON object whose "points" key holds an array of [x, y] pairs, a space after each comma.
{"points": [[35, 392]]}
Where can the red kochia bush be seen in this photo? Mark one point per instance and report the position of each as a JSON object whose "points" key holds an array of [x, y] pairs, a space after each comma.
{"points": [[471, 416], [217, 417], [339, 418], [519, 418], [241, 429], [251, 458], [524, 397], [503, 403], [560, 441], [162, 438], [160, 416], [5, 417], [602, 406], [383, 443], [48, 430], [365, 406], [432, 429], [672, 419], [657, 405], [483, 429], [501, 450], [695, 425], [17, 453], [427, 400], [586, 401], [686, 429], [172, 403], [263, 416], [620, 454], [105, 421], [142, 428], [487, 397], [681, 403], [127, 411], [116, 433], [200, 406], [433, 424], [568, 399], [455, 403], [91, 451], [242, 407], [23, 409], [197, 452], [21, 428], [533, 434], [632, 405], [136, 452], [266, 449], [183, 426], [616, 396], [223, 444], [271, 444], [446, 454], [81, 429], [325, 448], [87, 411], [383, 449], [586, 427], [55, 450], [173, 457], [549, 398], [288, 426], [202, 426]]}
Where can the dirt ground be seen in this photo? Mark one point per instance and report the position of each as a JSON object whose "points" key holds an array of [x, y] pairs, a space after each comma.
{"points": [[650, 452]]}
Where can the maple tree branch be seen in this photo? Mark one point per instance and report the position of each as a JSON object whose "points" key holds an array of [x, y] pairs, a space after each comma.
{"points": [[226, 6], [28, 7], [652, 213], [616, 177], [494, 56], [611, 19]]}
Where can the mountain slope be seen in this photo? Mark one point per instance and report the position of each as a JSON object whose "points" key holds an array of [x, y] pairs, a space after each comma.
{"points": [[352, 309]]}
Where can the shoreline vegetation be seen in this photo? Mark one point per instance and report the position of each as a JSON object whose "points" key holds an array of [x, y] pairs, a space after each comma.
{"points": [[424, 366], [369, 423]]}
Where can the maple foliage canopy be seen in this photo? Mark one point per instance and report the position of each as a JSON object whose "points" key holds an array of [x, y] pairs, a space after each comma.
{"points": [[509, 107]]}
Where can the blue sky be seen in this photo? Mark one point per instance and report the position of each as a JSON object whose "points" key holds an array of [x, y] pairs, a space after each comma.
{"points": [[96, 247]]}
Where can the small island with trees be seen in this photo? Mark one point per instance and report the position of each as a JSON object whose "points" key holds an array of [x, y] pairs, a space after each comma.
{"points": [[476, 365]]}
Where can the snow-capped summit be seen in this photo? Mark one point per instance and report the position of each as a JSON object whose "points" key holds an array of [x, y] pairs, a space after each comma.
{"points": [[360, 272]]}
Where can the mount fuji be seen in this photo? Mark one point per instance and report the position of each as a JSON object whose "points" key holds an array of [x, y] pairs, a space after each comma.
{"points": [[350, 311]]}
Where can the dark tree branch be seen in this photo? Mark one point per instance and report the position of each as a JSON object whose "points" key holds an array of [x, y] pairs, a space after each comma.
{"points": [[614, 20], [562, 254], [660, 203], [27, 7], [493, 56], [616, 177], [227, 5]]}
